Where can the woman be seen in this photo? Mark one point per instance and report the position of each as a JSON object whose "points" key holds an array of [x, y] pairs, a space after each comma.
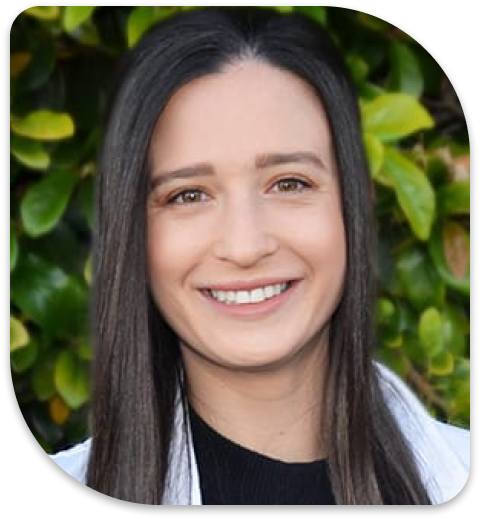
{"points": [[234, 284]]}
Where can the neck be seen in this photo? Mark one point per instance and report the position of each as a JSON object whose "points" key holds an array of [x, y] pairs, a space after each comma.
{"points": [[275, 411]]}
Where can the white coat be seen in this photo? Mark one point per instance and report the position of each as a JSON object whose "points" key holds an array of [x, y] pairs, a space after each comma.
{"points": [[442, 451]]}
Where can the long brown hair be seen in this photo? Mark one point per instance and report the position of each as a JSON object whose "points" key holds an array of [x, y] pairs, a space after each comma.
{"points": [[137, 364]]}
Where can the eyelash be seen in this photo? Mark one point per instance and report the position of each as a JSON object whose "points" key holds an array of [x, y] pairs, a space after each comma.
{"points": [[173, 199], [300, 186]]}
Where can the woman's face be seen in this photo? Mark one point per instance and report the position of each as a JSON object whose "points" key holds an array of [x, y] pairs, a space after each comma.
{"points": [[246, 242]]}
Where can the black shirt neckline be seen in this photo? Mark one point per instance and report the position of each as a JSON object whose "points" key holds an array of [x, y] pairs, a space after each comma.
{"points": [[231, 474]]}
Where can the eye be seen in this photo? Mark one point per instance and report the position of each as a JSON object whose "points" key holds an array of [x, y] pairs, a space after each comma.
{"points": [[291, 185], [189, 196]]}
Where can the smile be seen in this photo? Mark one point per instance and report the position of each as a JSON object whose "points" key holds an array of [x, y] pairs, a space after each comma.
{"points": [[251, 300], [244, 297]]}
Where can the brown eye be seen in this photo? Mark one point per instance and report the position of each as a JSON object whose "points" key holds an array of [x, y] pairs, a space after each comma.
{"points": [[291, 185], [189, 196]]}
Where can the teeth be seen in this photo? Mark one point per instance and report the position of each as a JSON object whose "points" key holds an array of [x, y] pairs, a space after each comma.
{"points": [[269, 291], [257, 295], [243, 297]]}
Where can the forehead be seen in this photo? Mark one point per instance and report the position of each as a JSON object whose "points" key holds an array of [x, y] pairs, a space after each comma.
{"points": [[248, 109]]}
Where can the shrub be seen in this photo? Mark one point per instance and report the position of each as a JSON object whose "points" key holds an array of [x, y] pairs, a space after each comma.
{"points": [[417, 143]]}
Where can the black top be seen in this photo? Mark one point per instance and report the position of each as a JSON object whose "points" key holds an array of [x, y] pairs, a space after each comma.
{"points": [[232, 475]]}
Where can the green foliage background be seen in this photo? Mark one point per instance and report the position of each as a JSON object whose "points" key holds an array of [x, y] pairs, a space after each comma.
{"points": [[417, 142]]}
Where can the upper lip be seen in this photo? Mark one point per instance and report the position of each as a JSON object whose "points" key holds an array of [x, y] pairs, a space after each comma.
{"points": [[247, 285]]}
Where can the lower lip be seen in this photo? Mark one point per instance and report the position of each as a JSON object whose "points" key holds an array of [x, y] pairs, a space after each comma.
{"points": [[254, 309]]}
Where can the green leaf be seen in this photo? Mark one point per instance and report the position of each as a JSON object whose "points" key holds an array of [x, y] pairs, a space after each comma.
{"points": [[393, 116], [73, 16], [369, 91], [318, 13], [72, 379], [13, 247], [413, 350], [84, 350], [46, 295], [449, 247], [40, 67], [414, 191], [388, 322], [442, 364], [406, 75], [430, 331], [87, 34], [62, 247], [454, 198], [395, 362], [44, 125], [23, 359], [375, 154], [29, 153], [460, 403], [385, 310], [455, 329], [419, 279], [87, 271], [284, 8], [372, 22], [44, 203], [67, 313], [358, 68], [47, 279], [19, 337], [139, 21], [66, 154], [42, 378], [46, 12]]}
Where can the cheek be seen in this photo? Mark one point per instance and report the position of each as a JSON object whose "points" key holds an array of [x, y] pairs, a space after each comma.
{"points": [[163, 253], [319, 233], [173, 250], [324, 249], [333, 240], [165, 270], [326, 253]]}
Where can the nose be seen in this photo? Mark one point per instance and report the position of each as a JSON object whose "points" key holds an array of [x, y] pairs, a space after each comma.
{"points": [[245, 236]]}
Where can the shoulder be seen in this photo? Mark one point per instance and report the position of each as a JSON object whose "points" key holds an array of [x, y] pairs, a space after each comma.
{"points": [[74, 460], [442, 450]]}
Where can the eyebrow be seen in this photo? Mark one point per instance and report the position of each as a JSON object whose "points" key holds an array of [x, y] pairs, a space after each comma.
{"points": [[263, 161]]}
